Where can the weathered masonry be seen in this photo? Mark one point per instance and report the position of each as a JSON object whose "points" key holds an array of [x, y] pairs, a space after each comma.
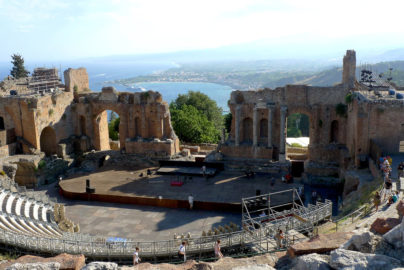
{"points": [[339, 132], [54, 119]]}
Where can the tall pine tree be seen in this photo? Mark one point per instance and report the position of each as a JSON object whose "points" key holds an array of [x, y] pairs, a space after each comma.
{"points": [[18, 70]]}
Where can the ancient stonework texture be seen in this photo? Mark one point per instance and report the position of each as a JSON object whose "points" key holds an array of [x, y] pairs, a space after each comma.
{"points": [[76, 77]]}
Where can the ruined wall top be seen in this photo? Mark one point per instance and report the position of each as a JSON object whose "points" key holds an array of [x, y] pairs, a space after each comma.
{"points": [[291, 95], [349, 68], [111, 95], [76, 77]]}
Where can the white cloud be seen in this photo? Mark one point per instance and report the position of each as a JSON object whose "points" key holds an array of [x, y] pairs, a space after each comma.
{"points": [[102, 27]]}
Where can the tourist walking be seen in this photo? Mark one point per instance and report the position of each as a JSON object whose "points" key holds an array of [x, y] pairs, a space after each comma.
{"points": [[218, 253], [376, 200], [191, 201], [181, 251], [388, 187], [279, 238], [136, 258]]}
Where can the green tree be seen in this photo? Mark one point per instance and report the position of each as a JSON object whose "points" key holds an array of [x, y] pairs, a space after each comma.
{"points": [[192, 126], [203, 104], [113, 126], [18, 70], [298, 125], [227, 121]]}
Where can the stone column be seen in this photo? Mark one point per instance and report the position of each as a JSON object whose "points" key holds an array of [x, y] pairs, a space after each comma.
{"points": [[237, 126], [282, 147], [255, 127], [270, 115]]}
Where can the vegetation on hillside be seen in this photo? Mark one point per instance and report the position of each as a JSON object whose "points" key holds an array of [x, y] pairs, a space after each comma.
{"points": [[261, 74], [18, 71], [196, 118]]}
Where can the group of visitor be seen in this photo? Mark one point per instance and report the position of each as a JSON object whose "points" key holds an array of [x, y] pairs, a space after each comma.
{"points": [[181, 252], [392, 197]]}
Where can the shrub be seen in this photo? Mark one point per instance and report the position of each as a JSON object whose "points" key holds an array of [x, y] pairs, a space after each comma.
{"points": [[295, 144], [349, 98], [2, 173], [341, 110], [41, 164], [50, 112]]}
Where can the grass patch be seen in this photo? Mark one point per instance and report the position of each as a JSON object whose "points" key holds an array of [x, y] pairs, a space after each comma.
{"points": [[364, 196], [295, 144], [8, 256]]}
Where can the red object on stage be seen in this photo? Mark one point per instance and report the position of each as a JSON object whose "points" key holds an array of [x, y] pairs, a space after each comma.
{"points": [[176, 183]]}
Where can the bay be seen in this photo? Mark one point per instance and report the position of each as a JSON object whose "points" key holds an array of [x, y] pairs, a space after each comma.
{"points": [[171, 90]]}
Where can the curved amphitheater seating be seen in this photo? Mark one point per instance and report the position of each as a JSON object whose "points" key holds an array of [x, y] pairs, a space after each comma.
{"points": [[28, 222], [23, 214]]}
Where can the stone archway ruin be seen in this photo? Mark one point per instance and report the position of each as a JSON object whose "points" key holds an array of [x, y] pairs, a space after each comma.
{"points": [[334, 132], [2, 127], [102, 139], [48, 141], [247, 130], [145, 123], [83, 125]]}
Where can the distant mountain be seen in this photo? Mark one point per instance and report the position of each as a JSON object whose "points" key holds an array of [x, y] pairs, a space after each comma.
{"points": [[391, 55], [332, 76]]}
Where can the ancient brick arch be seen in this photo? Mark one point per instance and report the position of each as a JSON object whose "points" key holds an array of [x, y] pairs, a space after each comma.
{"points": [[48, 141], [83, 129], [247, 130], [2, 127], [263, 128], [100, 126], [145, 124], [308, 112], [334, 131]]}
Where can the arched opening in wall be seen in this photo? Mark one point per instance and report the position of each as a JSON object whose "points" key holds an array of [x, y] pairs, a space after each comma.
{"points": [[137, 127], [83, 125], [247, 130], [297, 141], [48, 141], [334, 132], [263, 128], [2, 127], [108, 130]]}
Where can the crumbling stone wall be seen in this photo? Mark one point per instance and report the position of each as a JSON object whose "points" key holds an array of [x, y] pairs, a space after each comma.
{"points": [[379, 120], [349, 68], [145, 123], [318, 103], [30, 115], [269, 109], [76, 77]]}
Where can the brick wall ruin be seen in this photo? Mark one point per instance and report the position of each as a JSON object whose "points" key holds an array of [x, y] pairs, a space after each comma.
{"points": [[45, 121], [76, 77]]}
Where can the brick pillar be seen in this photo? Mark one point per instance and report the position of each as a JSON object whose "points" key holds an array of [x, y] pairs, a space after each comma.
{"points": [[237, 125], [282, 143], [270, 115], [255, 127]]}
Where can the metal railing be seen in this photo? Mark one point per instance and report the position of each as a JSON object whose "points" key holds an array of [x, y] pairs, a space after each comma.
{"points": [[258, 238]]}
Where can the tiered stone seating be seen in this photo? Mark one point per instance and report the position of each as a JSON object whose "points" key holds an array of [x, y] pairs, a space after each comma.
{"points": [[24, 213]]}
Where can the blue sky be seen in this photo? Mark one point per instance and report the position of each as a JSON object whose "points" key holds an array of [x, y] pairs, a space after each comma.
{"points": [[68, 29]]}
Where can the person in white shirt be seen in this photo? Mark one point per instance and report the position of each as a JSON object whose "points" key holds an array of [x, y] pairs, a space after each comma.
{"points": [[136, 258], [181, 251], [191, 201], [218, 253]]}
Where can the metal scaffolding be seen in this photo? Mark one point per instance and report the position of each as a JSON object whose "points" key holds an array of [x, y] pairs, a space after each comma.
{"points": [[264, 220]]}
